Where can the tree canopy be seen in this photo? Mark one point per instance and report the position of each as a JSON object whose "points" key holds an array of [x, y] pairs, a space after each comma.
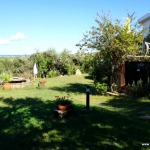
{"points": [[113, 41]]}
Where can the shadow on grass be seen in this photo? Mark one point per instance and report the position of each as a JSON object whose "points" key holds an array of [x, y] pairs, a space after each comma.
{"points": [[131, 105], [89, 77], [74, 88], [30, 124]]}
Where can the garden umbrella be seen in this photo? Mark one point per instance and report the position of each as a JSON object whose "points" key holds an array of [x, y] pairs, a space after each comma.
{"points": [[35, 71]]}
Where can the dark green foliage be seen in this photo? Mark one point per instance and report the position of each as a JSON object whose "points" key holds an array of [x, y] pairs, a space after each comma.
{"points": [[147, 39], [100, 88], [41, 61], [64, 63], [16, 66], [99, 67], [63, 100], [87, 65], [140, 89], [49, 64], [112, 42], [52, 73], [7, 65]]}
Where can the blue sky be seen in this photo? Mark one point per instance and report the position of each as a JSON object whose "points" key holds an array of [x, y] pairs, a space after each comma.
{"points": [[30, 25]]}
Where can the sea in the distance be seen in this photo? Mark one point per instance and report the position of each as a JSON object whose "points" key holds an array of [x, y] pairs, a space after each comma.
{"points": [[14, 55]]}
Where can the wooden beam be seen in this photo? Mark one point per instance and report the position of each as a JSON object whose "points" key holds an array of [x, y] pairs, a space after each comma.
{"points": [[138, 56]]}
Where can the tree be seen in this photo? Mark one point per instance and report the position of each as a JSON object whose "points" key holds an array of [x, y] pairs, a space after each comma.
{"points": [[66, 63], [39, 58], [113, 42]]}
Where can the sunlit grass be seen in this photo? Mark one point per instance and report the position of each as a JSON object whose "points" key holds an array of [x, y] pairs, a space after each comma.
{"points": [[27, 119]]}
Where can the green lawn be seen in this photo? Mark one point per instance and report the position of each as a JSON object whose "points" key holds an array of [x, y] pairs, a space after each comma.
{"points": [[27, 120]]}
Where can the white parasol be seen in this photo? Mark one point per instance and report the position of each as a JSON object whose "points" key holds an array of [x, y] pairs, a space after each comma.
{"points": [[35, 71]]}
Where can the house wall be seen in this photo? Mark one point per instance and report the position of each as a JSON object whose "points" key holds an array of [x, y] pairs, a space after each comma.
{"points": [[146, 26], [145, 21]]}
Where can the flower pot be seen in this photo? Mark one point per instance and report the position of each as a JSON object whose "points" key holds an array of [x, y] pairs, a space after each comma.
{"points": [[62, 107], [6, 86], [42, 83]]}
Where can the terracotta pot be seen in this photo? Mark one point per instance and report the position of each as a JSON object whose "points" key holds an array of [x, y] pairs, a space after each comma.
{"points": [[41, 84], [42, 81], [62, 107], [6, 86]]}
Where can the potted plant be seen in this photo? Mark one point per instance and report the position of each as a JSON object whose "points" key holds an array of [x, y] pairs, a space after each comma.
{"points": [[6, 79], [42, 82], [63, 103]]}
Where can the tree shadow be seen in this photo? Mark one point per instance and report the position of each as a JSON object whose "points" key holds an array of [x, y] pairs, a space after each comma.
{"points": [[22, 121], [89, 77], [130, 105], [129, 109], [74, 88], [30, 123]]}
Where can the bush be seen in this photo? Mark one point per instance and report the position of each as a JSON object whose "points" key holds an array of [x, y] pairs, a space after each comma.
{"points": [[115, 86], [5, 77], [138, 89], [100, 88], [53, 73], [68, 67]]}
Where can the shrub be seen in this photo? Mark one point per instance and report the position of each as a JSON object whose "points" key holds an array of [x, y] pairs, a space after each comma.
{"points": [[53, 73], [69, 69], [138, 89], [5, 77], [62, 101], [100, 88], [115, 86]]}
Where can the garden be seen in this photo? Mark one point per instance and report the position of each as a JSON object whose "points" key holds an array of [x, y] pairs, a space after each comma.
{"points": [[28, 121], [30, 117]]}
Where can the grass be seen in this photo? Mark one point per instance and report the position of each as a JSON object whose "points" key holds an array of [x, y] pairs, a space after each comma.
{"points": [[27, 120]]}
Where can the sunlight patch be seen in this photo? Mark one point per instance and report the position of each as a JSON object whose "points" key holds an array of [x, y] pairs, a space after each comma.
{"points": [[102, 126], [34, 122], [52, 135]]}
